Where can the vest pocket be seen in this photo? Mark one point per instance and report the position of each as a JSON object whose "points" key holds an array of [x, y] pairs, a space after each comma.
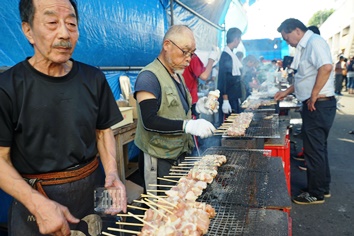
{"points": [[171, 97]]}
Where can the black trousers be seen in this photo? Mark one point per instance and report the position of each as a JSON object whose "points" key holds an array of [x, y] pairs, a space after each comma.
{"points": [[315, 129], [338, 83]]}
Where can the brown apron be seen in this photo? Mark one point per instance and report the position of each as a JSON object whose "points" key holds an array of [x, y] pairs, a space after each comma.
{"points": [[73, 189]]}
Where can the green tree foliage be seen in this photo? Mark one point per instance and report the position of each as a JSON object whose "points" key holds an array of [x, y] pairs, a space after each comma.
{"points": [[319, 17]]}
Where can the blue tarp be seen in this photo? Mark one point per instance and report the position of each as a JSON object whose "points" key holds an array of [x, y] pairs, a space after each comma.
{"points": [[268, 48], [112, 33]]}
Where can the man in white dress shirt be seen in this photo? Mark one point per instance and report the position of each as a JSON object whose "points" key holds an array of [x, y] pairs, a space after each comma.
{"points": [[314, 86]]}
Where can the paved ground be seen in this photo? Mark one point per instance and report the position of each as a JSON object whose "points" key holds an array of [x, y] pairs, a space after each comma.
{"points": [[336, 215]]}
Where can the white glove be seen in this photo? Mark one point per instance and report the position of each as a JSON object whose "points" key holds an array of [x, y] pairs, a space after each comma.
{"points": [[226, 107], [199, 127], [201, 106]]}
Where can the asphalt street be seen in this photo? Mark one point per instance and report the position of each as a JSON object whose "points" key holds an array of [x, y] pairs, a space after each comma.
{"points": [[336, 215]]}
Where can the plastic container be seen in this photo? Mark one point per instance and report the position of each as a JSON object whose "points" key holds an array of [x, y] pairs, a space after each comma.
{"points": [[105, 200]]}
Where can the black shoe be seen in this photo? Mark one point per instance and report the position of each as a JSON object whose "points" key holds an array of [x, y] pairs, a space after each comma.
{"points": [[303, 167], [299, 158], [305, 199], [325, 194]]}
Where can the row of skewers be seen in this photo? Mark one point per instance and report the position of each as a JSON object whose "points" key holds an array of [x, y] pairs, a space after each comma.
{"points": [[236, 124], [177, 213]]}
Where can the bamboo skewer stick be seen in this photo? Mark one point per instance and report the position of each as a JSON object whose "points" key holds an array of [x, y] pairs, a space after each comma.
{"points": [[172, 176], [108, 234], [164, 200], [136, 207], [121, 230], [178, 170], [193, 157], [156, 190], [167, 179], [177, 174], [179, 167], [158, 205], [125, 215], [144, 221], [128, 223], [161, 185], [219, 131], [158, 212]]}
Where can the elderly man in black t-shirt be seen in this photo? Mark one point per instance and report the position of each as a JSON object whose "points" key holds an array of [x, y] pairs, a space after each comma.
{"points": [[55, 118]]}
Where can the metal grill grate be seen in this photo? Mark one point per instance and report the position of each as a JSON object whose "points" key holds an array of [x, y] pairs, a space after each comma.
{"points": [[263, 125], [247, 185], [248, 178], [238, 220]]}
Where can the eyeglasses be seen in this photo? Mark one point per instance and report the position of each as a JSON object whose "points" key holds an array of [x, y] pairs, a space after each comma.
{"points": [[185, 53]]}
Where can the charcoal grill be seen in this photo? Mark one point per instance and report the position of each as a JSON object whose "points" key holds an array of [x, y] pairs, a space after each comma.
{"points": [[249, 178], [248, 194]]}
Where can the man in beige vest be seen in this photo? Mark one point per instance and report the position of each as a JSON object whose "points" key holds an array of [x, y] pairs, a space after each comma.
{"points": [[165, 128]]}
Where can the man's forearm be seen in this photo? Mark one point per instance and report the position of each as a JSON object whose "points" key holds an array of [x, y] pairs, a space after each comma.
{"points": [[107, 150]]}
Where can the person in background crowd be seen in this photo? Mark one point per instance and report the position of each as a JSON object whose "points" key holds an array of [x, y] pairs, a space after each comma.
{"points": [[344, 73], [195, 71], [229, 77], [350, 74], [239, 55], [164, 130], [279, 66], [273, 66], [261, 60], [55, 117], [314, 29], [314, 86], [249, 74], [339, 68]]}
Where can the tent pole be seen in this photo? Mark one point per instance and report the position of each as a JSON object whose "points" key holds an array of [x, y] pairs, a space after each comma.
{"points": [[171, 9]]}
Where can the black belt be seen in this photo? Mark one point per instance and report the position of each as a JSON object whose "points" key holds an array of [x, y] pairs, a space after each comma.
{"points": [[322, 99]]}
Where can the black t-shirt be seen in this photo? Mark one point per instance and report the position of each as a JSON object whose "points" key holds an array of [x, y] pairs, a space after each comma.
{"points": [[50, 122]]}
